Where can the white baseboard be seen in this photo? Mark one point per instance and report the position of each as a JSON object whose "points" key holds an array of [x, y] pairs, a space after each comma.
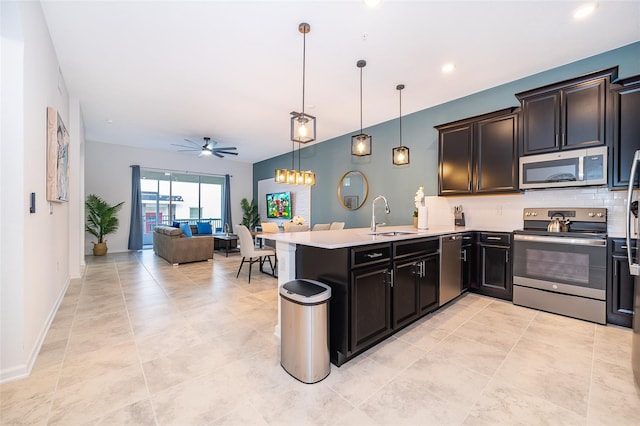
{"points": [[24, 370]]}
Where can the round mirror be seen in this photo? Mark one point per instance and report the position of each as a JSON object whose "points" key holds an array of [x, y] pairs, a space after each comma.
{"points": [[353, 190]]}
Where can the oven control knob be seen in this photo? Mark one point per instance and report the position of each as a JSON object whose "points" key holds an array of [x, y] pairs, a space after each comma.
{"points": [[555, 287], [591, 214], [599, 215]]}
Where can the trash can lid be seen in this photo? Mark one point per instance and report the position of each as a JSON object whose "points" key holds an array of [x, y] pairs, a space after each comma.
{"points": [[307, 292]]}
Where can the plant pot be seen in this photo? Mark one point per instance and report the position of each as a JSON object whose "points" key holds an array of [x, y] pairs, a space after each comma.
{"points": [[415, 221], [99, 249]]}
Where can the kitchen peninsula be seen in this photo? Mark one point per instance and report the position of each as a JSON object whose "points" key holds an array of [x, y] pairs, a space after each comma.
{"points": [[381, 282]]}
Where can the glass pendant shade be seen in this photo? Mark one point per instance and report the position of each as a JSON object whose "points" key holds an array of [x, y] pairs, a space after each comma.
{"points": [[361, 145], [309, 178], [303, 127], [291, 177], [400, 155], [281, 175], [303, 130]]}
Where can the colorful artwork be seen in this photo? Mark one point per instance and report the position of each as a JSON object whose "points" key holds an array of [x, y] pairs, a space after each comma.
{"points": [[57, 157], [279, 205]]}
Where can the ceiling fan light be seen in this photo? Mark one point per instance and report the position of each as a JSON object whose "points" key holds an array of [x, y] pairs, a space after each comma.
{"points": [[206, 152]]}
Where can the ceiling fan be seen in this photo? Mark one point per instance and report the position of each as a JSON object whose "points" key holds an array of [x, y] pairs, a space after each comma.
{"points": [[208, 148]]}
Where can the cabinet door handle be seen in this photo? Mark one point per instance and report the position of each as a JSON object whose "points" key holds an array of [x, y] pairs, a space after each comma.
{"points": [[464, 255], [422, 269], [391, 277], [373, 255], [556, 140], [494, 238], [506, 257], [615, 269]]}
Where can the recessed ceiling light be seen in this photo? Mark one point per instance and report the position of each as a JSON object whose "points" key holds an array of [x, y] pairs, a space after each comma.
{"points": [[585, 10], [447, 68], [109, 121], [372, 3]]}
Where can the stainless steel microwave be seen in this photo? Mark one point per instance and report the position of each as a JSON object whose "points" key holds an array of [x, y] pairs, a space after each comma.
{"points": [[578, 167]]}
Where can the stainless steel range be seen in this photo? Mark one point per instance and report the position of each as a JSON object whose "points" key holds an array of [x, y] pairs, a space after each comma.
{"points": [[560, 262]]}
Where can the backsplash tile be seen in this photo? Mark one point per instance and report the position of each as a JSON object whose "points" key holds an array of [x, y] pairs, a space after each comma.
{"points": [[506, 210]]}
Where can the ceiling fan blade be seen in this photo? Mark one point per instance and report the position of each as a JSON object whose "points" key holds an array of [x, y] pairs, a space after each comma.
{"points": [[226, 148], [185, 146], [193, 142], [217, 154], [188, 150], [225, 152]]}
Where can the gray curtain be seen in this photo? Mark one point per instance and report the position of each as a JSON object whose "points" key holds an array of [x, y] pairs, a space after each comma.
{"points": [[135, 229], [226, 210]]}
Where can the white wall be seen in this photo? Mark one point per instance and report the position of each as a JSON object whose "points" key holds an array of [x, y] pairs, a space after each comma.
{"points": [[300, 200], [108, 174], [35, 247]]}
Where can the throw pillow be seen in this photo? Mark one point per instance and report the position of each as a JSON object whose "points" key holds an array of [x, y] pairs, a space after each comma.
{"points": [[186, 230], [204, 228], [176, 224]]}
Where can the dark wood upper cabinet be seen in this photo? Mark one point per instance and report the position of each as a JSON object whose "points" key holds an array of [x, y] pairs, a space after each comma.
{"points": [[541, 123], [497, 154], [455, 160], [625, 129], [479, 154], [566, 115]]}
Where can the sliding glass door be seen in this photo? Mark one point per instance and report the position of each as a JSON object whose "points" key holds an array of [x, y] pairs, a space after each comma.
{"points": [[169, 197]]}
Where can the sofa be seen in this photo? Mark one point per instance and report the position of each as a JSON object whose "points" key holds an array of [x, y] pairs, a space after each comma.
{"points": [[172, 245]]}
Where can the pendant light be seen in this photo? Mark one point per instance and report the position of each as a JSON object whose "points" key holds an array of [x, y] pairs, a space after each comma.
{"points": [[361, 143], [303, 130], [400, 154], [303, 126]]}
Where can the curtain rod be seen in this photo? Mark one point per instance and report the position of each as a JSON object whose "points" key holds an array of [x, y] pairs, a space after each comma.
{"points": [[181, 171]]}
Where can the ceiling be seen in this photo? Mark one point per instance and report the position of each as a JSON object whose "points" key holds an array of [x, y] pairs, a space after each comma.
{"points": [[152, 73]]}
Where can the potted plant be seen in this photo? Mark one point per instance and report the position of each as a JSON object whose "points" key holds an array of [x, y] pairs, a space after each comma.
{"points": [[250, 216], [102, 220]]}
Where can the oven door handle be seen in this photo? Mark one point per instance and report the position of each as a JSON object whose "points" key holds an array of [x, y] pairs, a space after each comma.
{"points": [[561, 240], [634, 268]]}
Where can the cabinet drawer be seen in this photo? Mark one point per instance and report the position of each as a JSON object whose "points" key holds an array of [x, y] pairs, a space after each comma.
{"points": [[415, 247], [495, 238], [370, 255], [619, 246]]}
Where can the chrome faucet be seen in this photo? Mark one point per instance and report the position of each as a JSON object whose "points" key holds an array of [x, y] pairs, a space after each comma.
{"points": [[373, 212]]}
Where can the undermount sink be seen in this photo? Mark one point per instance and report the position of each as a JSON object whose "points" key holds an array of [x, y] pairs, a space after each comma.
{"points": [[391, 233]]}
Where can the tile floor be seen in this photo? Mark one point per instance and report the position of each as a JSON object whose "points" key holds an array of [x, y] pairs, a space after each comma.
{"points": [[138, 341]]}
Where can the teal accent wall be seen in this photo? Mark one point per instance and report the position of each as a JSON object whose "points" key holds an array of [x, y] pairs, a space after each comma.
{"points": [[332, 158]]}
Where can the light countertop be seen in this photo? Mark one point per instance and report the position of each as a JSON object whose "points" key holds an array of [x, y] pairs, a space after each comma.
{"points": [[362, 236]]}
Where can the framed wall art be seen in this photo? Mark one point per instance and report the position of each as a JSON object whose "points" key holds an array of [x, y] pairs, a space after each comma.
{"points": [[57, 157]]}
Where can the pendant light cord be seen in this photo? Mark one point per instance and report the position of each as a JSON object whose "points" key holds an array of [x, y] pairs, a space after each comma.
{"points": [[401, 117], [360, 100], [304, 55]]}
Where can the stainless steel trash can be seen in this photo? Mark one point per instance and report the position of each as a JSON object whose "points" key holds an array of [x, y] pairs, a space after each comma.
{"points": [[304, 330]]}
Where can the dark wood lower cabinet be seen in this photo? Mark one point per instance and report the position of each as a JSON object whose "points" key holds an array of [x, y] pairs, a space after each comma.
{"points": [[405, 292], [428, 284], [375, 289], [619, 284], [495, 277], [370, 306]]}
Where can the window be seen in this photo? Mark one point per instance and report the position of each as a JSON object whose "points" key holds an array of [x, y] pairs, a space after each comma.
{"points": [[182, 197]]}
